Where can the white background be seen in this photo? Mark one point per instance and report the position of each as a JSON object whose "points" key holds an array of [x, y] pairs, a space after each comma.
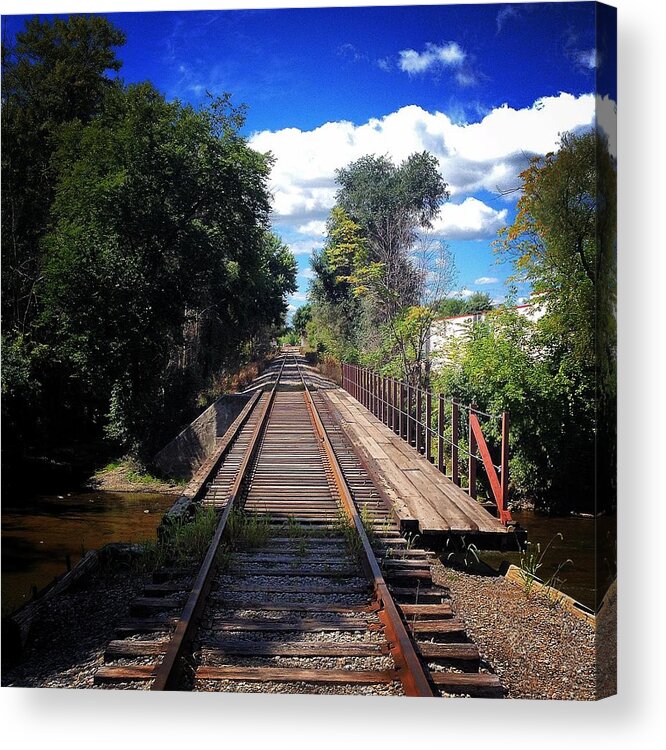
{"points": [[80, 719]]}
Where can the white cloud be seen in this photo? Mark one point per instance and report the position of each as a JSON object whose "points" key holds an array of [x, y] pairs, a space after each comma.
{"points": [[307, 273], [471, 219], [588, 59], [303, 247], [484, 155], [315, 228], [503, 15], [448, 55], [486, 280]]}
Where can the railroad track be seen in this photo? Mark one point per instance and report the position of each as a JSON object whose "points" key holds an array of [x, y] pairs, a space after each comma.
{"points": [[308, 584]]}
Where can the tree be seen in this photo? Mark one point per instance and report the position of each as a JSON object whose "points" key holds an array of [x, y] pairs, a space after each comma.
{"points": [[451, 306], [478, 302], [563, 241], [505, 364], [55, 73], [389, 204], [160, 228], [380, 277], [301, 318]]}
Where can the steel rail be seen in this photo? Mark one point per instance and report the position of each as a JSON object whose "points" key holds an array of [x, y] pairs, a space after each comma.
{"points": [[167, 674], [410, 670]]}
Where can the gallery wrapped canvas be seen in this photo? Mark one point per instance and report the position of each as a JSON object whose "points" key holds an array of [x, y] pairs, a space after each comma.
{"points": [[309, 350]]}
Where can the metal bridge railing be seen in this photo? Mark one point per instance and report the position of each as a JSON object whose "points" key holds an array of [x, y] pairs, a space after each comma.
{"points": [[435, 433]]}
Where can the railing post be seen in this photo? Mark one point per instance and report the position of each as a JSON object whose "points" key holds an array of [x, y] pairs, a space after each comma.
{"points": [[472, 456], [504, 479], [419, 420], [428, 435], [410, 418], [389, 402], [440, 434], [382, 400], [396, 415], [401, 415], [375, 379], [455, 468]]}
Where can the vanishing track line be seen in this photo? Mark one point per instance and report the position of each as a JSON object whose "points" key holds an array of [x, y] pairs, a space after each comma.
{"points": [[308, 584]]}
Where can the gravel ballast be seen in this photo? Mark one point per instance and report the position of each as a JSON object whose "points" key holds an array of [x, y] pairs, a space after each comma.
{"points": [[536, 650]]}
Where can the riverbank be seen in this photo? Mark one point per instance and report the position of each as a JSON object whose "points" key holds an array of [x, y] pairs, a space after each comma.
{"points": [[125, 476]]}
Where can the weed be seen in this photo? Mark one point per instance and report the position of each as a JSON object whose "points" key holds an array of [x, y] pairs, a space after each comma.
{"points": [[366, 520], [531, 562], [245, 530], [470, 552], [344, 527]]}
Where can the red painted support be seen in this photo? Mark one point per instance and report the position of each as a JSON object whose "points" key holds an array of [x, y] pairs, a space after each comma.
{"points": [[505, 515]]}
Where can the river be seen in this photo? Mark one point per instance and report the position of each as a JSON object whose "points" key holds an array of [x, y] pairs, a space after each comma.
{"points": [[578, 577], [38, 535]]}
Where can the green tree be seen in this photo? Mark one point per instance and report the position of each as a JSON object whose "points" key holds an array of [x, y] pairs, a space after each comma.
{"points": [[563, 241], [55, 72], [505, 363], [451, 306], [478, 302], [301, 318], [160, 242]]}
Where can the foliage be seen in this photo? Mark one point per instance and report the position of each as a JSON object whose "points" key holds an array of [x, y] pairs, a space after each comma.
{"points": [[505, 363], [301, 318], [138, 263], [476, 302], [531, 562], [563, 241], [377, 280]]}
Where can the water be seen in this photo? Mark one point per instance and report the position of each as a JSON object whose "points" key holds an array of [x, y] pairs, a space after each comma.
{"points": [[38, 535], [578, 545]]}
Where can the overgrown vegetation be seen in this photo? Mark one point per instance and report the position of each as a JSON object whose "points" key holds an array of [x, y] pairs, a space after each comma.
{"points": [[380, 282], [531, 561], [137, 261]]}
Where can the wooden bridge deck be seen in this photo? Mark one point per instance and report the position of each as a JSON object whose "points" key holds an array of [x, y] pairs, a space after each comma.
{"points": [[421, 495]]}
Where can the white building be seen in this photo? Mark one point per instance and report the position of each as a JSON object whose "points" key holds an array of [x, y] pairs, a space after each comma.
{"points": [[456, 326]]}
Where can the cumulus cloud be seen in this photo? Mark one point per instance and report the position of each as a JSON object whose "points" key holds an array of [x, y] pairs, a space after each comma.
{"points": [[486, 280], [484, 155], [314, 228], [449, 54], [470, 220]]}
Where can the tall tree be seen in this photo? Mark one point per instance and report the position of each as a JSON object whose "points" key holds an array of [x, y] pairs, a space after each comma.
{"points": [[563, 241], [161, 212], [55, 72]]}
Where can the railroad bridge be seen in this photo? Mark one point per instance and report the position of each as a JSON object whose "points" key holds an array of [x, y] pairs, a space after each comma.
{"points": [[313, 581]]}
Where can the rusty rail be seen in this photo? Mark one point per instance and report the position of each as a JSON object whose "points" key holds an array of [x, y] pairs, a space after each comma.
{"points": [[167, 675], [420, 417], [409, 667]]}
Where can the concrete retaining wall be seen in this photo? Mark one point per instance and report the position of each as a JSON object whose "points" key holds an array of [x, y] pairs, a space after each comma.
{"points": [[188, 450]]}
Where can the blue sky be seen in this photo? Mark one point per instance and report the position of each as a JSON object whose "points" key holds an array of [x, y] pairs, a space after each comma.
{"points": [[481, 86]]}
